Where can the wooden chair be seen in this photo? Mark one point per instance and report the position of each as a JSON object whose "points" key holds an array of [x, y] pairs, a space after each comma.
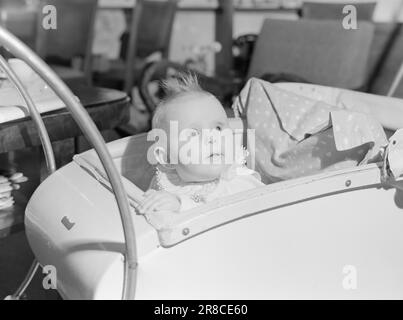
{"points": [[71, 41], [320, 51], [150, 31], [334, 11]]}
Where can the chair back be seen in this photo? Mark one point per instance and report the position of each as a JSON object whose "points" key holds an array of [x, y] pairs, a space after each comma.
{"points": [[155, 29], [334, 11], [390, 58], [320, 51], [150, 31], [73, 36]]}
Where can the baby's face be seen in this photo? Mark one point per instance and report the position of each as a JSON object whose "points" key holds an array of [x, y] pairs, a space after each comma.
{"points": [[200, 150]]}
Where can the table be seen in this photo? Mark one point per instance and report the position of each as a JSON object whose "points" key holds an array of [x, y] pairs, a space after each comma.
{"points": [[108, 109]]}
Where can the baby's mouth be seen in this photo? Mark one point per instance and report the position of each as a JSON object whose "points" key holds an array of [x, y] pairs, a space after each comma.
{"points": [[215, 154]]}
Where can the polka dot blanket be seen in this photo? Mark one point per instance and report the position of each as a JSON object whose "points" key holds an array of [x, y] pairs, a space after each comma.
{"points": [[296, 136]]}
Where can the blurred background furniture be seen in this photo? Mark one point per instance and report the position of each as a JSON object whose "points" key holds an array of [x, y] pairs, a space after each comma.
{"points": [[334, 10], [243, 47], [385, 54], [149, 32], [384, 58], [320, 51], [20, 22], [224, 25], [388, 45], [314, 51], [296, 51], [68, 48]]}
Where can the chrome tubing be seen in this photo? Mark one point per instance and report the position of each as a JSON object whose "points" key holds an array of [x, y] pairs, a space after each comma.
{"points": [[35, 115], [48, 151], [87, 126]]}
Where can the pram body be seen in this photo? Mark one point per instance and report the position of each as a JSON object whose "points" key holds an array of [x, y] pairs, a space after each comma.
{"points": [[330, 235]]}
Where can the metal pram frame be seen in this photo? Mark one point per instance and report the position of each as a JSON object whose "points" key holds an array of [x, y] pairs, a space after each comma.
{"points": [[87, 126]]}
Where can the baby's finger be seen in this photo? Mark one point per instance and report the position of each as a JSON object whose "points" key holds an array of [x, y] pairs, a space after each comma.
{"points": [[165, 204], [156, 206], [149, 202], [149, 198], [141, 205]]}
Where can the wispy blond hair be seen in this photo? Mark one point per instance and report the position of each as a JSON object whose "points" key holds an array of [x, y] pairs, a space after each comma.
{"points": [[175, 87]]}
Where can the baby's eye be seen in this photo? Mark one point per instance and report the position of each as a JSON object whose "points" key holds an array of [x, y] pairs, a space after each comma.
{"points": [[219, 128]]}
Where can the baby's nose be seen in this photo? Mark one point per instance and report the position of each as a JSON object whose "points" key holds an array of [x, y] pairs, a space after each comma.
{"points": [[213, 137]]}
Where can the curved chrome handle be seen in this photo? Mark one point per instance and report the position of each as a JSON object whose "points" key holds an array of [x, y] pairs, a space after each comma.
{"points": [[87, 126]]}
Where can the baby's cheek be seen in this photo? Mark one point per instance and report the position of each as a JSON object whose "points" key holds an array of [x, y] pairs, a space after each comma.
{"points": [[189, 152], [177, 151]]}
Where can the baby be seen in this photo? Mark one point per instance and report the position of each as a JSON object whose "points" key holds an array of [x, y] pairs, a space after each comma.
{"points": [[180, 182]]}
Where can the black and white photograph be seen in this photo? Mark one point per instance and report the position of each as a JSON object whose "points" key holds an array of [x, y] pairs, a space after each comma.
{"points": [[199, 155]]}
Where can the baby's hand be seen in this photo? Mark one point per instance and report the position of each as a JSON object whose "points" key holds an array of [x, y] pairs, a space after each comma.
{"points": [[158, 201]]}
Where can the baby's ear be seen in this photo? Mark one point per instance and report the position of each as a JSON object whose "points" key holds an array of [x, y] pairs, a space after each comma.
{"points": [[161, 155]]}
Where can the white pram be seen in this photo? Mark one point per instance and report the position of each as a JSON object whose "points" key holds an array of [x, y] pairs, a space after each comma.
{"points": [[330, 235], [295, 239]]}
